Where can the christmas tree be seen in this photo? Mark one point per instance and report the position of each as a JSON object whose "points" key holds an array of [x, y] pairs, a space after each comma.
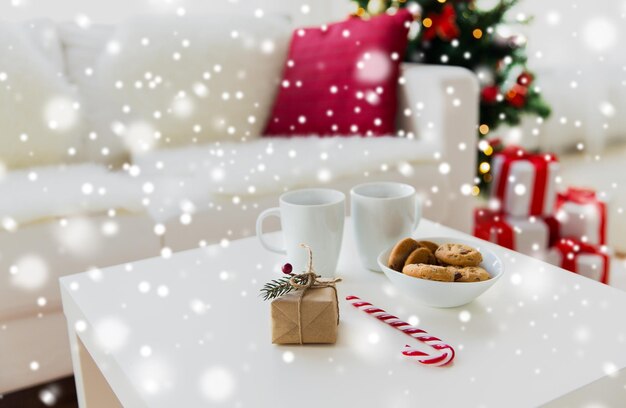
{"points": [[458, 32]]}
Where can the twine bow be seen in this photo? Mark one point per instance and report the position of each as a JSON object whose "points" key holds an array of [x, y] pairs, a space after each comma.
{"points": [[310, 280]]}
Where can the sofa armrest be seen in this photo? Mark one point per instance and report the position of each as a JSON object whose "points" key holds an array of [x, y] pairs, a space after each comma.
{"points": [[439, 105]]}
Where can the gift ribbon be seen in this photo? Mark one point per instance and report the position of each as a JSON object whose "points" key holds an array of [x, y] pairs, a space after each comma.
{"points": [[493, 227], [584, 196], [569, 246], [504, 234], [554, 230], [540, 163], [487, 223], [310, 280]]}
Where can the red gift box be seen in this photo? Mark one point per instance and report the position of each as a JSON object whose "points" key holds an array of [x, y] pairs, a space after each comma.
{"points": [[525, 183], [584, 259], [582, 215], [528, 235]]}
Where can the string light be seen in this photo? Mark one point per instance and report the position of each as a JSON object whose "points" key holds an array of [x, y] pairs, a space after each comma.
{"points": [[477, 33], [484, 129], [427, 22], [484, 167], [485, 146], [475, 191]]}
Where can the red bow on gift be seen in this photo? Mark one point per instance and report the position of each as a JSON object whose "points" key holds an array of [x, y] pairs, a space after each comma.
{"points": [[492, 226], [443, 25], [579, 195]]}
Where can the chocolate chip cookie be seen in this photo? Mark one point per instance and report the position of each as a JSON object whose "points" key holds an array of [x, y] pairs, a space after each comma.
{"points": [[471, 274], [458, 255], [430, 272]]}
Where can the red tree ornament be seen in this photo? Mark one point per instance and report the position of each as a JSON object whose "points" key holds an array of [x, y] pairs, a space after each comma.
{"points": [[516, 96], [525, 78], [443, 25], [489, 94]]}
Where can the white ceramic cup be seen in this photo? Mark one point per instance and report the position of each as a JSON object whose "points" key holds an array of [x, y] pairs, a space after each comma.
{"points": [[382, 214], [314, 217]]}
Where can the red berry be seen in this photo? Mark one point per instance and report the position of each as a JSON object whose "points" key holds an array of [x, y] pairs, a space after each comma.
{"points": [[489, 94], [287, 268]]}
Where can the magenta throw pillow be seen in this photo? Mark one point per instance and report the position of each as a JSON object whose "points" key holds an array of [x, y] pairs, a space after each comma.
{"points": [[342, 78]]}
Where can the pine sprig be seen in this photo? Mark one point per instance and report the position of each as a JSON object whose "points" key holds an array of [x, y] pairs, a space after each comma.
{"points": [[279, 287]]}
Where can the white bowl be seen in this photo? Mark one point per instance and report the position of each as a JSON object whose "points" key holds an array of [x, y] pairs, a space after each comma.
{"points": [[445, 294]]}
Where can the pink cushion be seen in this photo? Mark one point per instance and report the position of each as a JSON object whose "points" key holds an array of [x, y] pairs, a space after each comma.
{"points": [[342, 78]]}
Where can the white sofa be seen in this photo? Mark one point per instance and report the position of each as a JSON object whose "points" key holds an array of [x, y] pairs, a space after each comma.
{"points": [[83, 192]]}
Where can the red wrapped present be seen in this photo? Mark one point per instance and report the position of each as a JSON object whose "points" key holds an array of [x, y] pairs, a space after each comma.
{"points": [[583, 215], [524, 184], [528, 235], [584, 259]]}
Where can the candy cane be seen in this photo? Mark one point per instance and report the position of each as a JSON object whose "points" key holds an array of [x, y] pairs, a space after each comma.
{"points": [[446, 354]]}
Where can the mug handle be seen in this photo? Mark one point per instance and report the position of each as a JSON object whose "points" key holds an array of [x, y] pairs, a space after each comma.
{"points": [[259, 229], [418, 213]]}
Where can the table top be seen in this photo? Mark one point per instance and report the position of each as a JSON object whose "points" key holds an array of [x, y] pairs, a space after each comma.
{"points": [[191, 330]]}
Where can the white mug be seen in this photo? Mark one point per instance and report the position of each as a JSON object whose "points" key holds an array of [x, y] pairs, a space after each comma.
{"points": [[314, 217], [382, 214]]}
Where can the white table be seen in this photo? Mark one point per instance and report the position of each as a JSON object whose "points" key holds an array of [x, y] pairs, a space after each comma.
{"points": [[191, 331]]}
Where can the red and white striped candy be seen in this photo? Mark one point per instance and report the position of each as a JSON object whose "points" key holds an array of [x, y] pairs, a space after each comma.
{"points": [[446, 352]]}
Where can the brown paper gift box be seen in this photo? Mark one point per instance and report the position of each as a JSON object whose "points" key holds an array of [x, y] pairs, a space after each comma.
{"points": [[319, 315]]}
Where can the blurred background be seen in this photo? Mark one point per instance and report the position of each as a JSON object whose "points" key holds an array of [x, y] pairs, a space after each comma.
{"points": [[576, 54], [575, 48]]}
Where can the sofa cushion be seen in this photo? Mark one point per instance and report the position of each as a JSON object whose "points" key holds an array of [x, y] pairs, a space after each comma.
{"points": [[238, 171], [40, 119], [164, 81], [58, 191], [342, 78]]}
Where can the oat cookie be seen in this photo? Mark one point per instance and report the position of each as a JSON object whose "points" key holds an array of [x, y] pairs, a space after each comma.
{"points": [[421, 255], [471, 274], [400, 253], [430, 272], [458, 255]]}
